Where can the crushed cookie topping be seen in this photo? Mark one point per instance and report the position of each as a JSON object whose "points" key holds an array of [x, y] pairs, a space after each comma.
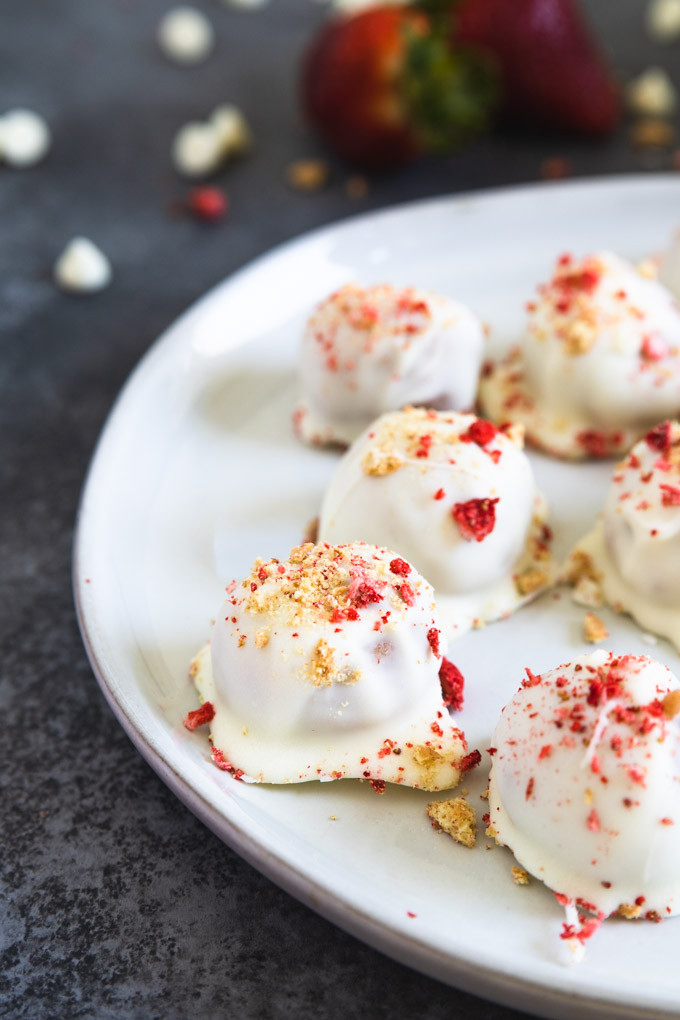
{"points": [[363, 318], [456, 817], [419, 435], [323, 583]]}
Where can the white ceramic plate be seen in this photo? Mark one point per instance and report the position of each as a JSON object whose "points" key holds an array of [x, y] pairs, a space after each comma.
{"points": [[197, 473]]}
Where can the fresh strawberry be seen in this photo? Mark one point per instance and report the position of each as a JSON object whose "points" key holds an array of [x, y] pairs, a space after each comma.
{"points": [[384, 86], [552, 72]]}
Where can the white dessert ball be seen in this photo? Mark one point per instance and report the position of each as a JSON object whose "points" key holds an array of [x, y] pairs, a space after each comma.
{"points": [[632, 554], [599, 364], [585, 783], [326, 666], [456, 496], [366, 351]]}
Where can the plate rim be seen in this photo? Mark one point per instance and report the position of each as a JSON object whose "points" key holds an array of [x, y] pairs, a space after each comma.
{"points": [[501, 987]]}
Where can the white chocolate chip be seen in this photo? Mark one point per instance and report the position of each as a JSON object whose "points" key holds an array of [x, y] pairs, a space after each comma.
{"points": [[185, 35], [82, 267], [663, 20], [24, 138], [652, 94], [196, 150], [232, 129]]}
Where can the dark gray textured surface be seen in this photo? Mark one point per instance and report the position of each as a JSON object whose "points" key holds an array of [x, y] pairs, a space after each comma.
{"points": [[117, 903]]}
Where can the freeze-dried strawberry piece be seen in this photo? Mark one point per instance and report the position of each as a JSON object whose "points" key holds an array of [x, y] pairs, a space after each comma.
{"points": [[476, 518], [453, 684]]}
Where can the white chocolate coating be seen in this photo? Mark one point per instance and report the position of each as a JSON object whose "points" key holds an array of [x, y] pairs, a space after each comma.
{"points": [[399, 485], [634, 550], [669, 270], [327, 667], [585, 783], [365, 352], [600, 362]]}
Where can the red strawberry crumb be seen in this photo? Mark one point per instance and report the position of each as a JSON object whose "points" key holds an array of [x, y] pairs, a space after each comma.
{"points": [[671, 495], [482, 432], [529, 789], [593, 822], [653, 349], [439, 494], [593, 442], [409, 913], [208, 204], [476, 518], [378, 785], [223, 764], [667, 821], [660, 437], [433, 636], [436, 729], [545, 751], [470, 761], [531, 679], [407, 593], [200, 716], [400, 566], [453, 684]]}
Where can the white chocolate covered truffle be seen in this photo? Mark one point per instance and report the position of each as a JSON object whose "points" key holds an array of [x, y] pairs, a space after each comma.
{"points": [[585, 785], [600, 362], [368, 351], [456, 496], [633, 553], [326, 666]]}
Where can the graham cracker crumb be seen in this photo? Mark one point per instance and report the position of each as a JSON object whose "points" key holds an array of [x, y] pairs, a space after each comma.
{"points": [[586, 592], [579, 565], [356, 186], [629, 910], [375, 463], [594, 629], [530, 581], [579, 337], [308, 174], [515, 433], [261, 639], [322, 667], [456, 817], [520, 876], [671, 704]]}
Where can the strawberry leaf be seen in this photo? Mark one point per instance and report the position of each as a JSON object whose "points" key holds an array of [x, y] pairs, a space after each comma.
{"points": [[450, 94]]}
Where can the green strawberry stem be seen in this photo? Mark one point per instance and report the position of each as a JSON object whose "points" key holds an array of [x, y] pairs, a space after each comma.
{"points": [[451, 94]]}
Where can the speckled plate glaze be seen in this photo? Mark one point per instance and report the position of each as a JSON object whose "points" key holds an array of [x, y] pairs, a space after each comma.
{"points": [[197, 472]]}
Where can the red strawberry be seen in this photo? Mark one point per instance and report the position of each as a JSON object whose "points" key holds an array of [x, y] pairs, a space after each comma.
{"points": [[383, 86], [552, 72]]}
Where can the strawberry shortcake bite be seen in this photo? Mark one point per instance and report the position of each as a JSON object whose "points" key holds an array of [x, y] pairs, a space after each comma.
{"points": [[456, 496], [633, 554], [585, 787], [600, 362], [326, 666], [367, 351]]}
